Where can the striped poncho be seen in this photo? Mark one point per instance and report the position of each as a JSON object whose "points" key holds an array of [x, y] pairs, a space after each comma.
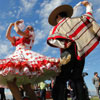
{"points": [[84, 31]]}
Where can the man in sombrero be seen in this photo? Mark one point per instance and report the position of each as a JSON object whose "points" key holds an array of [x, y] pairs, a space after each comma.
{"points": [[76, 37]]}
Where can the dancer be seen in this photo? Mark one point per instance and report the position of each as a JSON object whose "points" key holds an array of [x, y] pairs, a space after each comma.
{"points": [[24, 66], [75, 36]]}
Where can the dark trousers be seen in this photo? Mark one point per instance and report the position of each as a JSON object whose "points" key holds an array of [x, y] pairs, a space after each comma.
{"points": [[71, 71], [43, 94], [98, 91], [72, 90], [3, 97]]}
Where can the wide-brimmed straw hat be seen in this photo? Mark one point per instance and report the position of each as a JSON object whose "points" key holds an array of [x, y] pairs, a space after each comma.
{"points": [[63, 8]]}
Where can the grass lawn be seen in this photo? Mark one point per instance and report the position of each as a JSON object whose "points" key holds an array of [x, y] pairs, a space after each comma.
{"points": [[93, 98]]}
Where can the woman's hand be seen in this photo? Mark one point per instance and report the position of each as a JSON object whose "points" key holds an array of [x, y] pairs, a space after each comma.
{"points": [[85, 3], [18, 22], [17, 29]]}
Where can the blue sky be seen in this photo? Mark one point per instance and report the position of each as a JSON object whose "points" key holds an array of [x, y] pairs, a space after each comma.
{"points": [[35, 13]]}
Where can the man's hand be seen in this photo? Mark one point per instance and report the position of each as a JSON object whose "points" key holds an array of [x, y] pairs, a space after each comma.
{"points": [[85, 3], [65, 60]]}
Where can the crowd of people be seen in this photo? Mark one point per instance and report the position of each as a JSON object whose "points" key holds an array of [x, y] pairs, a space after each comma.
{"points": [[75, 38], [43, 90]]}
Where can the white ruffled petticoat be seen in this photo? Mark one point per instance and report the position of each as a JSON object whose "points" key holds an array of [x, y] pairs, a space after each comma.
{"points": [[27, 67]]}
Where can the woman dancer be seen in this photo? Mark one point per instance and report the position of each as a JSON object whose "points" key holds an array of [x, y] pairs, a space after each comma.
{"points": [[24, 66]]}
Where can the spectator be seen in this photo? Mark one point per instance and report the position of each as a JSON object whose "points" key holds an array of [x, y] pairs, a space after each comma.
{"points": [[96, 82], [42, 90]]}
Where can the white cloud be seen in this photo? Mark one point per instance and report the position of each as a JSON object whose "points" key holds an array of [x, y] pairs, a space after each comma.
{"points": [[8, 14], [86, 69], [11, 14], [54, 52], [97, 14], [46, 48], [46, 8], [2, 28], [96, 3], [50, 5], [5, 48], [19, 12], [26, 5], [39, 36], [36, 22]]}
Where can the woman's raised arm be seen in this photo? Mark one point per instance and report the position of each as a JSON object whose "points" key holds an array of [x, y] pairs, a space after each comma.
{"points": [[8, 33]]}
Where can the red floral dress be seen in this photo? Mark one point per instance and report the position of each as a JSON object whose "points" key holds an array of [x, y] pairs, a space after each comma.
{"points": [[26, 65]]}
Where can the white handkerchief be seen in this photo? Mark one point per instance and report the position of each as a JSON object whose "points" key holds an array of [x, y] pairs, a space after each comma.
{"points": [[21, 26]]}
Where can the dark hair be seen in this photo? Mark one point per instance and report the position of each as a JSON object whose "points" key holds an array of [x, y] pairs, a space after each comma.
{"points": [[62, 14], [95, 73]]}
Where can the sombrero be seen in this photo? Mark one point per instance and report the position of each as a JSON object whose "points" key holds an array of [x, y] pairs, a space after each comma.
{"points": [[63, 8]]}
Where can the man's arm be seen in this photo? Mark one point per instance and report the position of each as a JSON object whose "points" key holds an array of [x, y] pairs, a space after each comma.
{"points": [[56, 43], [88, 6], [60, 44]]}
